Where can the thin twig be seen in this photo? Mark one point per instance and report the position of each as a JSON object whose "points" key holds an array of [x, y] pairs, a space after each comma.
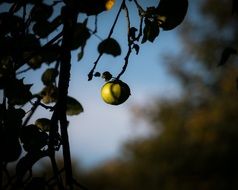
{"points": [[23, 71], [140, 29], [90, 75], [141, 10], [95, 34], [129, 44], [51, 108], [96, 24]]}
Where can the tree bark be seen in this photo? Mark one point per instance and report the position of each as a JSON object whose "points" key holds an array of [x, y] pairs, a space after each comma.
{"points": [[69, 21]]}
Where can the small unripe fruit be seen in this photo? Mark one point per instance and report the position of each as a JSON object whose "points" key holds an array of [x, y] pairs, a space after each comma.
{"points": [[115, 92]]}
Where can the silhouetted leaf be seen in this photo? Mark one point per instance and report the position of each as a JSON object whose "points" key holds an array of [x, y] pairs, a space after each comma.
{"points": [[38, 9], [80, 35], [27, 43], [73, 106], [151, 31], [97, 74], [171, 13], [227, 52], [11, 24], [50, 53], [42, 28], [107, 76], [6, 66], [9, 135], [19, 113], [10, 146], [15, 123], [49, 76], [28, 48], [109, 46], [25, 163], [36, 183], [6, 70], [34, 60], [33, 138], [81, 52], [17, 92], [43, 124], [80, 55], [132, 33]]}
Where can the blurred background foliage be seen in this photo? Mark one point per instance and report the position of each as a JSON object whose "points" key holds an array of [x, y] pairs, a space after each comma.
{"points": [[194, 141]]}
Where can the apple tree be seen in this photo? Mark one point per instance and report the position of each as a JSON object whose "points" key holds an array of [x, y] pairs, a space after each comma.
{"points": [[34, 33]]}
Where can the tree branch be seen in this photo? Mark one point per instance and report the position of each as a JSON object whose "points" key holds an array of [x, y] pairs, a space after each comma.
{"points": [[69, 22]]}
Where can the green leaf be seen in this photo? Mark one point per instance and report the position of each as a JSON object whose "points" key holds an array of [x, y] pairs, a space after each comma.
{"points": [[34, 60], [49, 76], [49, 94], [73, 106], [109, 46], [43, 124], [80, 55]]}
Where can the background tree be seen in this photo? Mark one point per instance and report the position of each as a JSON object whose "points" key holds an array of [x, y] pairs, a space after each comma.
{"points": [[194, 140], [40, 32]]}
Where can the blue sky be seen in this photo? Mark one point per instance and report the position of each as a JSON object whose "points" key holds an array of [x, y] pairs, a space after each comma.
{"points": [[97, 134]]}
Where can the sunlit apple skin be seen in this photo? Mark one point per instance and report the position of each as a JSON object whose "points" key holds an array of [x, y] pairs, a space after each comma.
{"points": [[115, 92]]}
